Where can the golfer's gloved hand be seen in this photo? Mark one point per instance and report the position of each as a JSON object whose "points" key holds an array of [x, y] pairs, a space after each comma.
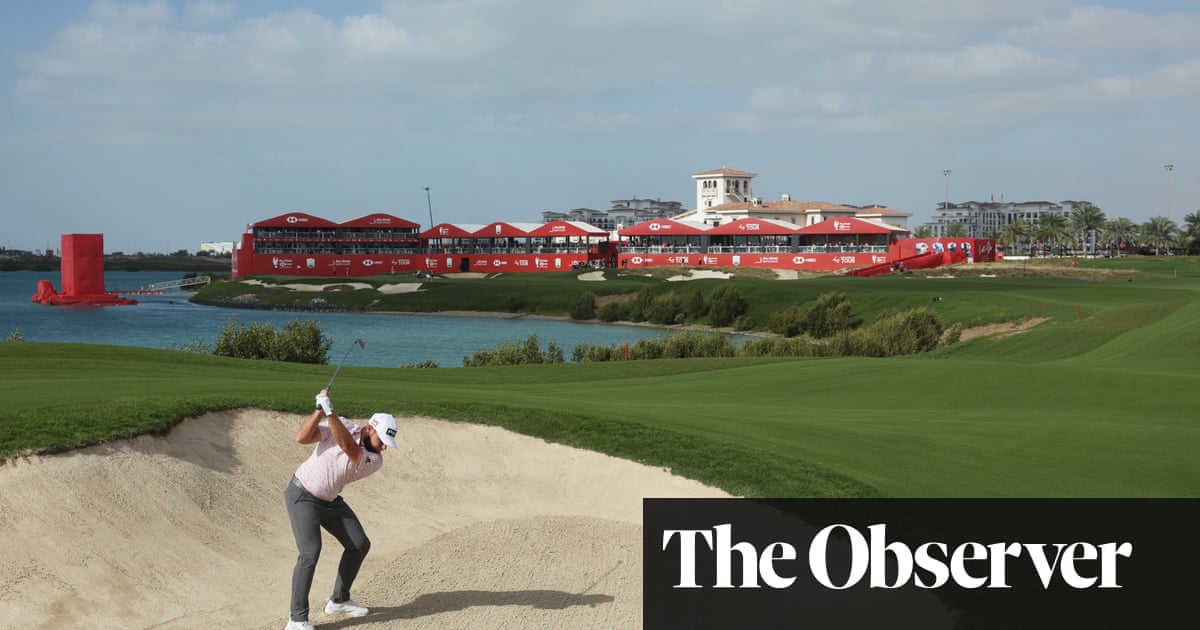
{"points": [[324, 403]]}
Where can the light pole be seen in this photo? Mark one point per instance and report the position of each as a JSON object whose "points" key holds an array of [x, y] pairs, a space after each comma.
{"points": [[946, 206], [1168, 168], [430, 204]]}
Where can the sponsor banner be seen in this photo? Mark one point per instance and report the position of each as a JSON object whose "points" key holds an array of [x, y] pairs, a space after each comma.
{"points": [[368, 265], [953, 249], [919, 563], [523, 263], [815, 262], [336, 265]]}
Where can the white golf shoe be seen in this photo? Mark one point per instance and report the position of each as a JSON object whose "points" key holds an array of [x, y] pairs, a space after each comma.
{"points": [[348, 607], [298, 625]]}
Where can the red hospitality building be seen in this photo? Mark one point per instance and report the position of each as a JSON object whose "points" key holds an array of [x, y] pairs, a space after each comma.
{"points": [[305, 245], [730, 227]]}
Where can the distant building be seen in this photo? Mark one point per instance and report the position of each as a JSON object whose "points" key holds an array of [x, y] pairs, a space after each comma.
{"points": [[981, 219], [622, 214], [722, 186], [15, 254], [724, 195], [218, 248]]}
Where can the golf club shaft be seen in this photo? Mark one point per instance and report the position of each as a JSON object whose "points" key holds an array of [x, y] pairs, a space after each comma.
{"points": [[357, 342]]}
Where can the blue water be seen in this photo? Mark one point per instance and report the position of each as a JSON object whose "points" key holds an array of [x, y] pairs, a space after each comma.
{"points": [[170, 321]]}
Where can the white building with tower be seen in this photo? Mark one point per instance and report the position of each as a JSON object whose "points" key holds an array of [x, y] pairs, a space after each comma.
{"points": [[724, 195]]}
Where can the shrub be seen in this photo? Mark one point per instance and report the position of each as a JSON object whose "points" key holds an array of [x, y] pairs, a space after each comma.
{"points": [[639, 305], [908, 332], [696, 306], [726, 305], [596, 353], [427, 363], [744, 322], [515, 353], [514, 302], [646, 349], [196, 345], [952, 335], [829, 316], [788, 322], [613, 312], [693, 343], [583, 306], [298, 342], [800, 346], [15, 335], [664, 309], [683, 345]]}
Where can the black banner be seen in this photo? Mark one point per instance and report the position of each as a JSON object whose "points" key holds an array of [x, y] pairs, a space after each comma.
{"points": [[967, 564]]}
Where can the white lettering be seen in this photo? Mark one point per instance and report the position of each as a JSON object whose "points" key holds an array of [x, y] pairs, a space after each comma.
{"points": [[858, 557], [725, 549], [931, 565], [925, 561], [766, 565], [1078, 551], [958, 569], [687, 553], [879, 553], [1045, 570], [1108, 562]]}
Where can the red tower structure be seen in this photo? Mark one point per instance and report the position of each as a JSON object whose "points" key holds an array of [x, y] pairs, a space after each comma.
{"points": [[82, 275]]}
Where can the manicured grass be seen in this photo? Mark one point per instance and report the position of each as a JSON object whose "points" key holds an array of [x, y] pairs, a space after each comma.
{"points": [[1097, 401]]}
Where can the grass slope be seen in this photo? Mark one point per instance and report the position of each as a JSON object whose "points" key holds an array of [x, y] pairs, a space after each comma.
{"points": [[1096, 401]]}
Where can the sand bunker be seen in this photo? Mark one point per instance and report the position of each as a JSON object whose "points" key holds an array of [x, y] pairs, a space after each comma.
{"points": [[697, 274], [471, 527], [399, 287]]}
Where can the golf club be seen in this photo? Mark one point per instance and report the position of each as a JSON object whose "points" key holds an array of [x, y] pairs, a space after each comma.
{"points": [[357, 342]]}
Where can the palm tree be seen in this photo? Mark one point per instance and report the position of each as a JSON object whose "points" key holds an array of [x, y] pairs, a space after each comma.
{"points": [[923, 231], [1015, 232], [1159, 231], [1053, 230], [1191, 231], [1117, 232], [1084, 219], [956, 230]]}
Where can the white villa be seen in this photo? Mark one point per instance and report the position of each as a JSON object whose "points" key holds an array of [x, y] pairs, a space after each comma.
{"points": [[725, 195]]}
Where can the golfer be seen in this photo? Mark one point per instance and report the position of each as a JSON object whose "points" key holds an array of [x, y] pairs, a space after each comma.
{"points": [[344, 452]]}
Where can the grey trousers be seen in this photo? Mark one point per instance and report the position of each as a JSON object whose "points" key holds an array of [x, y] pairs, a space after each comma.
{"points": [[308, 515]]}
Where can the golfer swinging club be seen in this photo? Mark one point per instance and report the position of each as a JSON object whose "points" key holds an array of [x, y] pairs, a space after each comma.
{"points": [[344, 452]]}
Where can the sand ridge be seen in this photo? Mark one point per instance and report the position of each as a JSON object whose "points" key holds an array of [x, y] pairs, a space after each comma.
{"points": [[471, 526]]}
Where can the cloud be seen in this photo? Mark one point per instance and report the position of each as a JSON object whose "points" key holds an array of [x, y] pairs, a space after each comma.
{"points": [[1113, 34], [208, 13], [309, 97]]}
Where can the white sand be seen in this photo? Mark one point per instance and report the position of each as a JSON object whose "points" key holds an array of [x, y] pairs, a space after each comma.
{"points": [[399, 287], [471, 527], [592, 276], [697, 274]]}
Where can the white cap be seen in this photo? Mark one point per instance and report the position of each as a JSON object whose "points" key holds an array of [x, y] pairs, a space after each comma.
{"points": [[384, 425]]}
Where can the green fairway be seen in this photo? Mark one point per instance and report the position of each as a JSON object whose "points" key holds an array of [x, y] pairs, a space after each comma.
{"points": [[1098, 400]]}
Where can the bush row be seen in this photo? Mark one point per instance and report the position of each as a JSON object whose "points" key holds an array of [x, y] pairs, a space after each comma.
{"points": [[907, 332], [827, 316], [516, 353], [298, 342]]}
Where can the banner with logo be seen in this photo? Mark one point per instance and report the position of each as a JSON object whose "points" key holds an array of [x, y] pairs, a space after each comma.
{"points": [[920, 563]]}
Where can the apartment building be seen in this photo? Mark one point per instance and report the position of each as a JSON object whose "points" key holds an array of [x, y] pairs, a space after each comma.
{"points": [[982, 219]]}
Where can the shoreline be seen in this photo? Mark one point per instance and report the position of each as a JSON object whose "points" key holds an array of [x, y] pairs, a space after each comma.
{"points": [[485, 314]]}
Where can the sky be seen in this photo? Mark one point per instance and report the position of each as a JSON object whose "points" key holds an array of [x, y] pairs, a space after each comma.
{"points": [[162, 124]]}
